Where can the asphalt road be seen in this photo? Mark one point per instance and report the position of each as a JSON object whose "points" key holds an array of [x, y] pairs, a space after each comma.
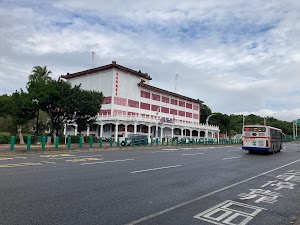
{"points": [[205, 185]]}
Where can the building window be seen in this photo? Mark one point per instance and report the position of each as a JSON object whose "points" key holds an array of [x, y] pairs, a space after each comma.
{"points": [[145, 106], [154, 107], [155, 97], [189, 105], [173, 111], [132, 103], [107, 100], [165, 110], [120, 101], [196, 116], [188, 114], [145, 94], [165, 99], [174, 102], [196, 107], [181, 113], [181, 103]]}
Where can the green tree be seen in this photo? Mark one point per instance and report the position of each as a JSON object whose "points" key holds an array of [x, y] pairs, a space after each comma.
{"points": [[221, 120], [20, 108], [86, 106], [57, 103], [37, 81], [205, 111]]}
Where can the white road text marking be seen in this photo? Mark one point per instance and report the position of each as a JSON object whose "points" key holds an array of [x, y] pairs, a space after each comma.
{"points": [[206, 195]]}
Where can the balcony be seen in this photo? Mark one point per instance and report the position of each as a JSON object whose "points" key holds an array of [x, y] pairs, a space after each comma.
{"points": [[154, 120]]}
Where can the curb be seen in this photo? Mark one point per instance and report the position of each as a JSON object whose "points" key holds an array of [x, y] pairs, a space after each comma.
{"points": [[297, 222]]}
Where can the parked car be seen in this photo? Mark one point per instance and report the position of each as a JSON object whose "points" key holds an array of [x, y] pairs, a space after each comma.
{"points": [[135, 137]]}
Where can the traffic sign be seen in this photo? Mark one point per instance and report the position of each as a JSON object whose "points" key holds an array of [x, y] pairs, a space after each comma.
{"points": [[298, 121]]}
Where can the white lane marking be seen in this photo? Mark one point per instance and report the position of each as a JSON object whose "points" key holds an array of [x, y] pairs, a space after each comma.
{"points": [[234, 151], [120, 160], [232, 158], [160, 168], [48, 162], [170, 149], [206, 195], [74, 157], [201, 153]]}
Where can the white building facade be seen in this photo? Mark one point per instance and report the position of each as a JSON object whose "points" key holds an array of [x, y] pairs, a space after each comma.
{"points": [[132, 106]]}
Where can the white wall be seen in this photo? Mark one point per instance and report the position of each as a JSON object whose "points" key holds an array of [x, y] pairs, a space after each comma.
{"points": [[101, 81]]}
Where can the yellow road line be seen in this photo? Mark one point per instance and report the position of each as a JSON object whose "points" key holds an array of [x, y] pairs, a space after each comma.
{"points": [[48, 162], [20, 164], [3, 158], [52, 156], [83, 159]]}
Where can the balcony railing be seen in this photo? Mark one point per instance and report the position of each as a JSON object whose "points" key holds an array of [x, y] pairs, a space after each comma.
{"points": [[154, 119]]}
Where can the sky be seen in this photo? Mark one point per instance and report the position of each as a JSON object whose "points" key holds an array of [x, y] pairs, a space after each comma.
{"points": [[239, 57]]}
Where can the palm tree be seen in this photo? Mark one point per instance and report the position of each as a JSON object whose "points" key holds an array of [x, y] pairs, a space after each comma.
{"points": [[38, 78], [39, 74]]}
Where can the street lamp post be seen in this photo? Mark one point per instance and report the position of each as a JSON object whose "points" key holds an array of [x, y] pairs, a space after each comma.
{"points": [[206, 133]]}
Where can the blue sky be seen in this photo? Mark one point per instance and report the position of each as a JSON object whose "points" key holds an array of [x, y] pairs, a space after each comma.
{"points": [[236, 56]]}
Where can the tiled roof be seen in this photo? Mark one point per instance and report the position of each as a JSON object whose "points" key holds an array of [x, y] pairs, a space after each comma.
{"points": [[107, 67]]}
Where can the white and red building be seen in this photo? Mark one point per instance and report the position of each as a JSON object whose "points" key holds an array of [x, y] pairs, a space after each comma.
{"points": [[132, 105]]}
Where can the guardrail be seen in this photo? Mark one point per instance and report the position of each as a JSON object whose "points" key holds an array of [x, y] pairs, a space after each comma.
{"points": [[92, 142]]}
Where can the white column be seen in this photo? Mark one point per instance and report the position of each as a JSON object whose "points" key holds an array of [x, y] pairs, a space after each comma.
{"points": [[199, 134], [181, 132], [88, 131], [101, 130], [218, 136], [161, 133], [116, 131], [75, 130], [134, 127], [65, 129], [191, 135], [172, 132], [149, 132]]}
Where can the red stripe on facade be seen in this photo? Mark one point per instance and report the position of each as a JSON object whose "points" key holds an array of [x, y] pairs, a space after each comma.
{"points": [[155, 89]]}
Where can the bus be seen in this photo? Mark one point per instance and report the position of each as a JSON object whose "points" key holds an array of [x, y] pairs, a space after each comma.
{"points": [[261, 138]]}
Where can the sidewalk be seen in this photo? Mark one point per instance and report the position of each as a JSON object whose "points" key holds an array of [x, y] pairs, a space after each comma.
{"points": [[297, 221]]}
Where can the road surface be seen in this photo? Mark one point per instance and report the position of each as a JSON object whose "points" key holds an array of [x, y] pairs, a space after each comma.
{"points": [[198, 185]]}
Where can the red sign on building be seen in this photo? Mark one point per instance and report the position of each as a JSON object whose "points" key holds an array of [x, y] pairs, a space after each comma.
{"points": [[117, 84]]}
